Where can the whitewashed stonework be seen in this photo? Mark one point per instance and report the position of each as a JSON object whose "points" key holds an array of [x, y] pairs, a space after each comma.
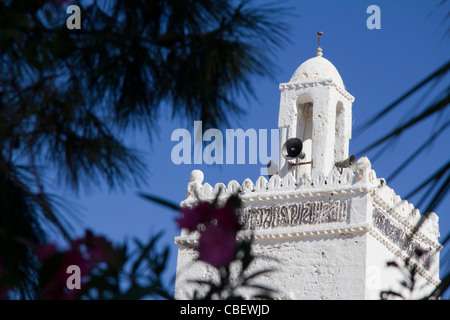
{"points": [[330, 231], [316, 108]]}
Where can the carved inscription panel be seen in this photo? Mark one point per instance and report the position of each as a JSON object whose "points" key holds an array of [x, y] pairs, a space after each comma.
{"points": [[295, 214], [400, 237]]}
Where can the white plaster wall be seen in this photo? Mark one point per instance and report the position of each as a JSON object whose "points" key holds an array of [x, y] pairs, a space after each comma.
{"points": [[360, 209], [312, 268], [380, 277], [319, 268]]}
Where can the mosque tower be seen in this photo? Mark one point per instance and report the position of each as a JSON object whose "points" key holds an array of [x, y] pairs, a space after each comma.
{"points": [[326, 218]]}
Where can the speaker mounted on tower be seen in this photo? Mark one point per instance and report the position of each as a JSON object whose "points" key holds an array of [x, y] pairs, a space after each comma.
{"points": [[350, 162], [292, 149]]}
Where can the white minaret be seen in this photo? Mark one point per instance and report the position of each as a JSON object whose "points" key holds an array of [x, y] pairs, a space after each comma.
{"points": [[327, 232], [316, 108]]}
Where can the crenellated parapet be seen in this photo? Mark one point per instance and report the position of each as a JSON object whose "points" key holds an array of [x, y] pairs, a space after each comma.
{"points": [[342, 202], [278, 188]]}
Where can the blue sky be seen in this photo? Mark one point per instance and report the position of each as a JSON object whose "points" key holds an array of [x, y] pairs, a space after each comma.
{"points": [[377, 66]]}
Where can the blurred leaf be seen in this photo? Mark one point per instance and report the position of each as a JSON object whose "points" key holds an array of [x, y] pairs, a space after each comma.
{"points": [[441, 288], [260, 287], [433, 76], [438, 105], [159, 200], [256, 274], [385, 294], [402, 166], [145, 250], [392, 264]]}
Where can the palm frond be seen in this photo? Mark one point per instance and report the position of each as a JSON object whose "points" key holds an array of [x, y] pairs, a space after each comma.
{"points": [[441, 71]]}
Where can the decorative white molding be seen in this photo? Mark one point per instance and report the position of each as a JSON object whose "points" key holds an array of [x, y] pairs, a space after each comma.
{"points": [[374, 232], [277, 188], [394, 213], [324, 82], [285, 233]]}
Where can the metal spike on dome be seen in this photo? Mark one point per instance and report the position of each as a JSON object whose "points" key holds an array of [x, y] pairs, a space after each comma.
{"points": [[319, 49]]}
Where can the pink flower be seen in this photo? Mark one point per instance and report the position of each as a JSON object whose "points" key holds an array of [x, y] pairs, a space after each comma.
{"points": [[217, 241], [227, 218], [86, 252], [217, 246], [98, 248], [73, 256], [56, 288], [191, 218], [46, 251]]}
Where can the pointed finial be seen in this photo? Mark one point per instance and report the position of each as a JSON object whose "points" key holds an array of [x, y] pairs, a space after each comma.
{"points": [[319, 49]]}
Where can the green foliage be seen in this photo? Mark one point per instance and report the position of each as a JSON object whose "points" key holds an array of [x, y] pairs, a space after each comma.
{"points": [[136, 274], [233, 278], [410, 282], [67, 96], [229, 279], [20, 232], [436, 186]]}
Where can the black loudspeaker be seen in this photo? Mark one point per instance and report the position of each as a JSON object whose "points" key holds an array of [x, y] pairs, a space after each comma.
{"points": [[350, 162], [292, 149]]}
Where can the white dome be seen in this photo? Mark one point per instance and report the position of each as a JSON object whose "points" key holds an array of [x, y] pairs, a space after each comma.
{"points": [[317, 68]]}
